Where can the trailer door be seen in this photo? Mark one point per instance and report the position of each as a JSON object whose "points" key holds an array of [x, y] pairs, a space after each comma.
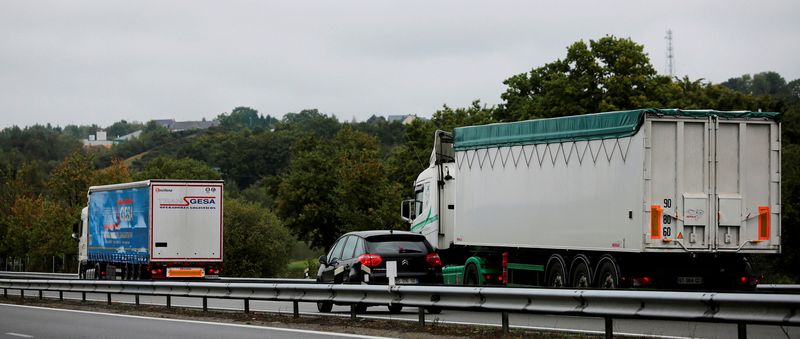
{"points": [[747, 185], [187, 221], [678, 153]]}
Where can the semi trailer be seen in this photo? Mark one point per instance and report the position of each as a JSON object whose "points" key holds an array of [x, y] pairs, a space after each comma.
{"points": [[153, 229], [649, 198]]}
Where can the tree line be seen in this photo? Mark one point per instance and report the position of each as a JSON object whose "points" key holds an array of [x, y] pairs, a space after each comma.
{"points": [[312, 177]]}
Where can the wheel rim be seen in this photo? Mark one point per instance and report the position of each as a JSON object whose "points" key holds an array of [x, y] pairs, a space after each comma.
{"points": [[558, 280], [608, 281], [582, 281]]}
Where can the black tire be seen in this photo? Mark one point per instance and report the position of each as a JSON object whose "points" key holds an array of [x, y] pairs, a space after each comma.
{"points": [[324, 306], [434, 309], [395, 308], [607, 275], [556, 272], [471, 275], [580, 275]]}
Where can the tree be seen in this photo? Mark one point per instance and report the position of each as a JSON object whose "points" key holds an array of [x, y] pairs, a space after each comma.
{"points": [[605, 75], [245, 117], [184, 168], [70, 180], [335, 187], [256, 244]]}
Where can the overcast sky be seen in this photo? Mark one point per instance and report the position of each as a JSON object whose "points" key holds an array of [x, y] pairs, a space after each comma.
{"points": [[85, 62]]}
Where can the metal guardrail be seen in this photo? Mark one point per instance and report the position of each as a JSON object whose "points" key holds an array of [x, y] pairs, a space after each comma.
{"points": [[738, 308], [37, 275], [779, 288], [69, 276]]}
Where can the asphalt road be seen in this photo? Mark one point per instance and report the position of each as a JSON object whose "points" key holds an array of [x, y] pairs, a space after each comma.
{"points": [[19, 321], [657, 329]]}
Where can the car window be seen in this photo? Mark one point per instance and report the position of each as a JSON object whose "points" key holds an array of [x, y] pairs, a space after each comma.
{"points": [[396, 245], [336, 252], [359, 248], [348, 247]]}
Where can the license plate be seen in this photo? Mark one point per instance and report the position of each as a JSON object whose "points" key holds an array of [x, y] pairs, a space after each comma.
{"points": [[690, 280], [406, 281]]}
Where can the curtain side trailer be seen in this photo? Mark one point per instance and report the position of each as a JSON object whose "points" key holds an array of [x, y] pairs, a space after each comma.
{"points": [[153, 229]]}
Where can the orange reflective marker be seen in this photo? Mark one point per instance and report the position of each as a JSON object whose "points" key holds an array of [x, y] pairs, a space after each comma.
{"points": [[763, 222], [655, 221], [680, 235]]}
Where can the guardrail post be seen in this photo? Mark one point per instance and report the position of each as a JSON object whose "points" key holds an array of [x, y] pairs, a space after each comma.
{"points": [[247, 306], [22, 294], [60, 295], [296, 308], [422, 316], [353, 312], [5, 293], [83, 297], [742, 329], [505, 322], [109, 298], [609, 328], [40, 295], [137, 299], [169, 302], [205, 304]]}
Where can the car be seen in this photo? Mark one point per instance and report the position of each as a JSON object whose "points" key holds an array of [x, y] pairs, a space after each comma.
{"points": [[361, 257]]}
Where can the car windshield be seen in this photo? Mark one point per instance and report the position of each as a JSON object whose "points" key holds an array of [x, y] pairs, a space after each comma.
{"points": [[395, 245]]}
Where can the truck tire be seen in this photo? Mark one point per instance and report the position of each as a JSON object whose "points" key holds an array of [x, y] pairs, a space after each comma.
{"points": [[471, 275], [580, 274], [607, 274], [556, 271]]}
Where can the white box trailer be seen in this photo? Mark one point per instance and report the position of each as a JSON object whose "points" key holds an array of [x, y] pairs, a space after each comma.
{"points": [[590, 189], [152, 229]]}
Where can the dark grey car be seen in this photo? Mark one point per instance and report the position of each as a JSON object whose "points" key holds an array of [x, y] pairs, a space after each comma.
{"points": [[361, 257]]}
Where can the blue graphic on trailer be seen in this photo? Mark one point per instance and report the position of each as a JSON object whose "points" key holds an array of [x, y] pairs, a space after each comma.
{"points": [[119, 225]]}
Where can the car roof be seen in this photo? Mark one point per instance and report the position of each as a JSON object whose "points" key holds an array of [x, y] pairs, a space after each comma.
{"points": [[373, 233]]}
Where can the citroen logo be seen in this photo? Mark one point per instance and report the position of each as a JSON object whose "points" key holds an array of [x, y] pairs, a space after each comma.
{"points": [[404, 262]]}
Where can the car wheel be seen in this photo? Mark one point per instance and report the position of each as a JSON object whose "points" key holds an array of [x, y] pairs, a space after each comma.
{"points": [[324, 306], [434, 310], [395, 308]]}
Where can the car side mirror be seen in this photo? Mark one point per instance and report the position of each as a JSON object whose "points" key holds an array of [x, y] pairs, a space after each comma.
{"points": [[323, 260]]}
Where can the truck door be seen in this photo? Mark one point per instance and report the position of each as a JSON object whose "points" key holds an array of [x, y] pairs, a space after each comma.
{"points": [[747, 184]]}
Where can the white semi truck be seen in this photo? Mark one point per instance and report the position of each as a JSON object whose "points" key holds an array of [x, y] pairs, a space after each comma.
{"points": [[659, 198], [153, 229]]}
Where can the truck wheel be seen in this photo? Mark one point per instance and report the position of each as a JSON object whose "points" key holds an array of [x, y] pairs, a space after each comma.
{"points": [[471, 275], [581, 275], [607, 275], [324, 306], [556, 271]]}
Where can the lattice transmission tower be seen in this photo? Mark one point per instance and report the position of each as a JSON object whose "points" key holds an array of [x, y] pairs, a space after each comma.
{"points": [[670, 60]]}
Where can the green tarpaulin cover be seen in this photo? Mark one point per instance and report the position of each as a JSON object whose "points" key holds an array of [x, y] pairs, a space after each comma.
{"points": [[578, 127]]}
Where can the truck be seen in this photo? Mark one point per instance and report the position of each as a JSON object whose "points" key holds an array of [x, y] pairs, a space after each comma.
{"points": [[647, 198], [152, 229]]}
